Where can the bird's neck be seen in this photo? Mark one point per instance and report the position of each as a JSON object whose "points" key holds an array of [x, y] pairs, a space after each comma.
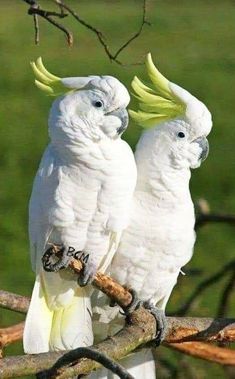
{"points": [[74, 141], [165, 183]]}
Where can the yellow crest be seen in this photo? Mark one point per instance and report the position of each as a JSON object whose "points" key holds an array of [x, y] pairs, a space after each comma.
{"points": [[45, 81], [157, 104]]}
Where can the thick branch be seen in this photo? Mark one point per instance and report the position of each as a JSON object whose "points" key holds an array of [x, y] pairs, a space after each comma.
{"points": [[206, 351], [14, 302], [129, 338]]}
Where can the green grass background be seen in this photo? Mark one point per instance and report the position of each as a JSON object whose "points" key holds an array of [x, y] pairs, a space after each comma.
{"points": [[192, 43]]}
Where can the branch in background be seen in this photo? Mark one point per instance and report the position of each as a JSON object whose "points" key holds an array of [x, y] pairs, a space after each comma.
{"points": [[214, 217], [226, 295], [204, 215], [11, 334], [213, 279], [17, 303], [35, 10], [36, 29], [206, 351], [100, 36], [50, 16]]}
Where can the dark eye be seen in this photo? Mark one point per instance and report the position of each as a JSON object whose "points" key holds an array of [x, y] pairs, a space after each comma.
{"points": [[181, 135], [98, 104]]}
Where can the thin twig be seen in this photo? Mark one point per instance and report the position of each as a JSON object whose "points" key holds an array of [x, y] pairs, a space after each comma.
{"points": [[36, 29], [137, 34], [48, 16], [35, 9], [203, 285], [226, 295], [84, 352], [100, 36]]}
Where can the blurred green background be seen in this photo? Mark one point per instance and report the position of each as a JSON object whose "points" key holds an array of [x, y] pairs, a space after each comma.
{"points": [[192, 43]]}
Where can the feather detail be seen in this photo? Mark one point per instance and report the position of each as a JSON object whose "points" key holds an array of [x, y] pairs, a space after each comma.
{"points": [[38, 322], [157, 104]]}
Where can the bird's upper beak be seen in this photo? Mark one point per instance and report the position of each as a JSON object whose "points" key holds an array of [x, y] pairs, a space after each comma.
{"points": [[204, 145], [122, 114]]}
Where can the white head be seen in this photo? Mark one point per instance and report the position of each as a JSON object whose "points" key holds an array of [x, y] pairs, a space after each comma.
{"points": [[181, 121], [92, 107]]}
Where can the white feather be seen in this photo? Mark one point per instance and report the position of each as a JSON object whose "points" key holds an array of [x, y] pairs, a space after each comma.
{"points": [[81, 198], [160, 237]]}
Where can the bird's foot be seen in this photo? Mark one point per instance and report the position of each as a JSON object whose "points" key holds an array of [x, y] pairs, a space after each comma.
{"points": [[134, 304], [161, 322], [89, 268], [57, 257], [158, 314]]}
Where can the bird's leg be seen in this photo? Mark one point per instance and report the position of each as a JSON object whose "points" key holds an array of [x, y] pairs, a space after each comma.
{"points": [[57, 257], [89, 269], [161, 322]]}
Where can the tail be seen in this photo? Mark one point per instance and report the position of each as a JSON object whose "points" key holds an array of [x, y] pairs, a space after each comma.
{"points": [[59, 315], [140, 365]]}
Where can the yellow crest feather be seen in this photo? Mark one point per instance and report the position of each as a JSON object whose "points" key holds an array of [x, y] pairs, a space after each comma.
{"points": [[45, 81], [157, 104]]}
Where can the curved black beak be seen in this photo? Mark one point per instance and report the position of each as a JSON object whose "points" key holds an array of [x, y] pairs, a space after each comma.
{"points": [[204, 145]]}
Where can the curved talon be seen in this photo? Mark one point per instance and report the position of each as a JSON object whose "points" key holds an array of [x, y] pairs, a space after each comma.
{"points": [[134, 304], [160, 318], [58, 252], [89, 269]]}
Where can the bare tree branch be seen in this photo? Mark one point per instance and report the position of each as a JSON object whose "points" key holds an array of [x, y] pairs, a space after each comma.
{"points": [[214, 217], [140, 331], [35, 10], [203, 285], [14, 302], [50, 16], [11, 334], [205, 216], [206, 351], [36, 29], [226, 295], [84, 352]]}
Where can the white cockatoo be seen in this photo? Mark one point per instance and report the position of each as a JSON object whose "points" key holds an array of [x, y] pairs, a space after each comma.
{"points": [[80, 201], [160, 237]]}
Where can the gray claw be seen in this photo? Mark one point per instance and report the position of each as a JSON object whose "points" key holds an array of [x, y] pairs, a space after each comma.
{"points": [[161, 322], [135, 303], [56, 258], [89, 270]]}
